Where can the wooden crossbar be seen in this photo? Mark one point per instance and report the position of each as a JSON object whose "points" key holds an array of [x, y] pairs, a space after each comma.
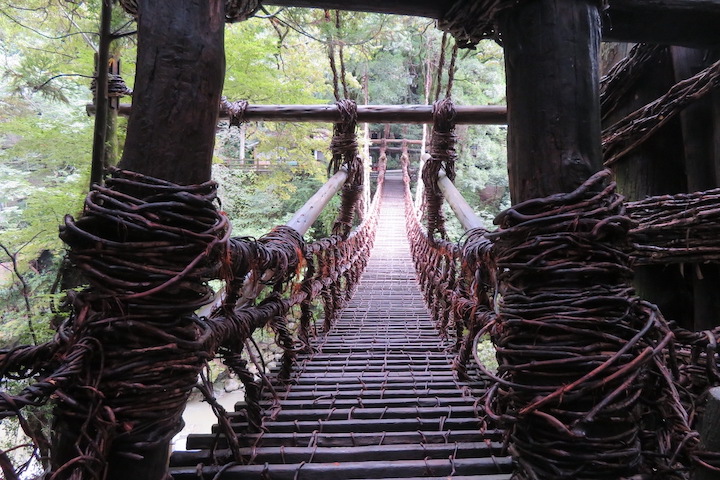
{"points": [[418, 114]]}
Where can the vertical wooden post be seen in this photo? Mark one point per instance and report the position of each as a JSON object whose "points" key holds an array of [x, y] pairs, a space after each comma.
{"points": [[243, 142], [102, 102], [171, 135], [180, 70], [112, 148], [551, 61], [699, 134]]}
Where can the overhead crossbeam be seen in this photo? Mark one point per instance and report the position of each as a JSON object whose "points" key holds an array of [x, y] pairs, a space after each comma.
{"points": [[468, 115], [674, 22]]}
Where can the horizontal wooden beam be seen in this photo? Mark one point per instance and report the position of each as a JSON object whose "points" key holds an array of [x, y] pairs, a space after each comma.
{"points": [[419, 8], [395, 149], [380, 141], [690, 23], [469, 115], [672, 22]]}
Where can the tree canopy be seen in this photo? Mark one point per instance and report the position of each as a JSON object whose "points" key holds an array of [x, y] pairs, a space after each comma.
{"points": [[281, 56]]}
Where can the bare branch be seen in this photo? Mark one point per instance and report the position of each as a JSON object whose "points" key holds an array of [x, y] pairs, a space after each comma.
{"points": [[39, 87]]}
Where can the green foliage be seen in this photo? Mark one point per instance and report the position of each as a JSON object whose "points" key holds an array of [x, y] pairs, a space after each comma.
{"points": [[261, 70], [486, 354], [44, 164], [257, 202], [46, 47], [43, 174]]}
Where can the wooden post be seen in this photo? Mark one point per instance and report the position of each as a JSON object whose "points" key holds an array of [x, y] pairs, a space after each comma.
{"points": [[554, 146], [710, 432], [112, 148], [243, 142], [102, 102], [699, 123], [180, 70], [171, 133], [551, 63]]}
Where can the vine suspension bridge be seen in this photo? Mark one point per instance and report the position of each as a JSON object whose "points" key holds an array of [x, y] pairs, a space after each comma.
{"points": [[376, 398]]}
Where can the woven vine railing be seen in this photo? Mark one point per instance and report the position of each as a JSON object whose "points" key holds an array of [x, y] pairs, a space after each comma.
{"points": [[148, 248], [455, 285], [584, 365]]}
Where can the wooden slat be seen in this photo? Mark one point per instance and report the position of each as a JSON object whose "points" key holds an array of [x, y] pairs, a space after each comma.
{"points": [[413, 451], [357, 470], [207, 441]]}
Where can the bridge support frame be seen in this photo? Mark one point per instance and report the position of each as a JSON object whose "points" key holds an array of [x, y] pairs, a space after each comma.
{"points": [[552, 72]]}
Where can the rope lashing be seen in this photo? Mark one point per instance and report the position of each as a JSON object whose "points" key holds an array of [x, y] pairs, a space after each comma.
{"points": [[443, 156], [473, 306], [435, 263], [471, 21], [577, 350], [143, 244], [624, 75], [341, 77], [240, 10], [235, 110], [116, 86], [630, 132], [344, 149], [680, 228], [130, 7], [441, 66]]}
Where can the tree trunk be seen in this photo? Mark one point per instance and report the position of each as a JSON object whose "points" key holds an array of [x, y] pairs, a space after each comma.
{"points": [[551, 63], [180, 69], [171, 134], [102, 101]]}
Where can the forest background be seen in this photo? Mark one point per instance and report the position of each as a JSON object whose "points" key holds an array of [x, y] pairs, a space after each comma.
{"points": [[47, 61]]}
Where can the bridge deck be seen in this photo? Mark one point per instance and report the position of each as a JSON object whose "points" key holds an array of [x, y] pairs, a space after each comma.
{"points": [[378, 399]]}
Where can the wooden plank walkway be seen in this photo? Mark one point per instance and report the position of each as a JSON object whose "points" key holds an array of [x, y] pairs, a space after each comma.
{"points": [[377, 400]]}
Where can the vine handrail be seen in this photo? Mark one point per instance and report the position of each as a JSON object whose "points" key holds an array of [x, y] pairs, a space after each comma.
{"points": [[143, 241]]}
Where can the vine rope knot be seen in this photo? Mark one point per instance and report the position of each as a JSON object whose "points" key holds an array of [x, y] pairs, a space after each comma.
{"points": [[147, 248], [344, 149], [577, 350], [443, 156]]}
